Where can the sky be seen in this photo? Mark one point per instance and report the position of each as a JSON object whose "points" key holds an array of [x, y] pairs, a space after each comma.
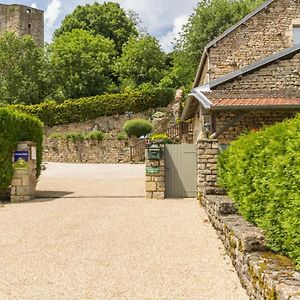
{"points": [[161, 18]]}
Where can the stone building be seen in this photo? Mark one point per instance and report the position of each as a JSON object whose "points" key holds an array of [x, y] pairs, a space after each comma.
{"points": [[248, 77], [23, 20]]}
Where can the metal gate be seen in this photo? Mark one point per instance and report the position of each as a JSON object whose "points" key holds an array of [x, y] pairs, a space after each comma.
{"points": [[181, 171]]}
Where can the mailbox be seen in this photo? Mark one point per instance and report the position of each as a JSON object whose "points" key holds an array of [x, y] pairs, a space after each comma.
{"points": [[154, 152]]}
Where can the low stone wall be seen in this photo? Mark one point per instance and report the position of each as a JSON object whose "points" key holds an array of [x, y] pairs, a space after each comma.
{"points": [[264, 275], [106, 151]]}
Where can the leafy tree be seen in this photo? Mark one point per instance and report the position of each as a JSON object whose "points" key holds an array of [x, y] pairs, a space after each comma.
{"points": [[25, 75], [142, 61], [210, 19], [81, 63], [107, 19]]}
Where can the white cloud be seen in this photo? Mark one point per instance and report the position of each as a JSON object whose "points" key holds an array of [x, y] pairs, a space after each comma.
{"points": [[52, 13], [168, 39], [33, 5]]}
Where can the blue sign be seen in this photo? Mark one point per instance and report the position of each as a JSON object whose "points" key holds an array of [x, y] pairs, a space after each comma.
{"points": [[24, 155], [21, 159]]}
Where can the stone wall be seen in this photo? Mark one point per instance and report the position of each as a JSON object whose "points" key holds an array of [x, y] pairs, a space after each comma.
{"points": [[155, 181], [106, 151], [267, 32], [280, 75], [207, 152], [263, 274], [252, 120], [23, 20]]}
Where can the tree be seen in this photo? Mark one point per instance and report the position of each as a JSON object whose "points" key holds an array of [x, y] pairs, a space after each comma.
{"points": [[142, 61], [210, 19], [107, 19], [82, 63], [25, 74]]}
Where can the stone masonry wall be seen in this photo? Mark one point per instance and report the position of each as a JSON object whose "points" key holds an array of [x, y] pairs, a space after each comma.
{"points": [[265, 275], [281, 75], [155, 182], [106, 151], [207, 152], [267, 32], [23, 20], [253, 120]]}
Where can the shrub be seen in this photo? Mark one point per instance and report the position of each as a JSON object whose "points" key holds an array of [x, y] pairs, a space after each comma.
{"points": [[161, 137], [17, 126], [83, 109], [261, 171], [95, 136], [78, 136], [121, 136], [137, 127]]}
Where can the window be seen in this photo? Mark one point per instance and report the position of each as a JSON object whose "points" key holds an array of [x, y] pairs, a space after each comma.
{"points": [[28, 10], [296, 35]]}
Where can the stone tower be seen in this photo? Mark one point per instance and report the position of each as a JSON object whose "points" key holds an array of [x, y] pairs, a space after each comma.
{"points": [[23, 20]]}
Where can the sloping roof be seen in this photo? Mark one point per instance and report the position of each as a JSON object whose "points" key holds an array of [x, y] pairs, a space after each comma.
{"points": [[192, 103], [252, 100], [225, 33]]}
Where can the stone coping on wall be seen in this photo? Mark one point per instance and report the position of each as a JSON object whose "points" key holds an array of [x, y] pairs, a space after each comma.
{"points": [[264, 274]]}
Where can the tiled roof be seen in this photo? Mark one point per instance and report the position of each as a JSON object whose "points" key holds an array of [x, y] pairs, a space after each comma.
{"points": [[247, 100], [256, 102]]}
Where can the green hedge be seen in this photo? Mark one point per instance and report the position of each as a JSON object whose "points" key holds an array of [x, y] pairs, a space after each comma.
{"points": [[84, 109], [261, 171], [17, 126], [137, 127]]}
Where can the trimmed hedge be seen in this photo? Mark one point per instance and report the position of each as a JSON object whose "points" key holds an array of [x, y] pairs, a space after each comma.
{"points": [[17, 126], [261, 171], [89, 108], [137, 127]]}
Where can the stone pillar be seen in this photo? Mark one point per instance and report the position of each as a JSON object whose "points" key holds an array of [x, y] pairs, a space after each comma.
{"points": [[207, 153], [155, 177], [23, 185]]}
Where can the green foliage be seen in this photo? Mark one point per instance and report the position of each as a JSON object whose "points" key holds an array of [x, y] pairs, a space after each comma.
{"points": [[25, 74], [261, 171], [108, 20], [142, 61], [17, 126], [121, 136], [78, 136], [161, 137], [95, 135], [84, 109], [81, 63], [137, 127], [210, 19]]}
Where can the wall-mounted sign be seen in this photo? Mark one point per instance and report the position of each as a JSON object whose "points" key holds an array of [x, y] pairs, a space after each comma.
{"points": [[21, 159], [152, 170]]}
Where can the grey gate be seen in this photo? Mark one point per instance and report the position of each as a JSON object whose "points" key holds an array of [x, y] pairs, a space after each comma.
{"points": [[181, 171]]}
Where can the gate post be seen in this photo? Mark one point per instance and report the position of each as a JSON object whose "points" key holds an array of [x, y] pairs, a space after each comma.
{"points": [[207, 181], [155, 175], [23, 185]]}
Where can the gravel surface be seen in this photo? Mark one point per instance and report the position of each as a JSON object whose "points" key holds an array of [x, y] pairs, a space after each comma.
{"points": [[102, 240]]}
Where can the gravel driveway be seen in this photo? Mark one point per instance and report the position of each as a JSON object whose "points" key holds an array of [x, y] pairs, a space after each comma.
{"points": [[102, 240]]}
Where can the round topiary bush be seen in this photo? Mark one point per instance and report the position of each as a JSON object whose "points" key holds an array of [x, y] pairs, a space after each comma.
{"points": [[137, 127]]}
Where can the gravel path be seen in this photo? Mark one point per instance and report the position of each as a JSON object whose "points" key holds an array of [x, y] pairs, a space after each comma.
{"points": [[102, 240]]}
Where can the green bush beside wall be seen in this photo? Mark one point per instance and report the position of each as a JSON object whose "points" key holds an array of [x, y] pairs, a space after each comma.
{"points": [[89, 108], [17, 126], [261, 171]]}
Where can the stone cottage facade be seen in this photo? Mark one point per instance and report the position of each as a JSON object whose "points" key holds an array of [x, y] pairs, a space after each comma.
{"points": [[22, 20], [248, 77]]}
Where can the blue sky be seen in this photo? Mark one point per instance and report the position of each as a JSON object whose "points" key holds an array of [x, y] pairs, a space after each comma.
{"points": [[161, 18]]}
